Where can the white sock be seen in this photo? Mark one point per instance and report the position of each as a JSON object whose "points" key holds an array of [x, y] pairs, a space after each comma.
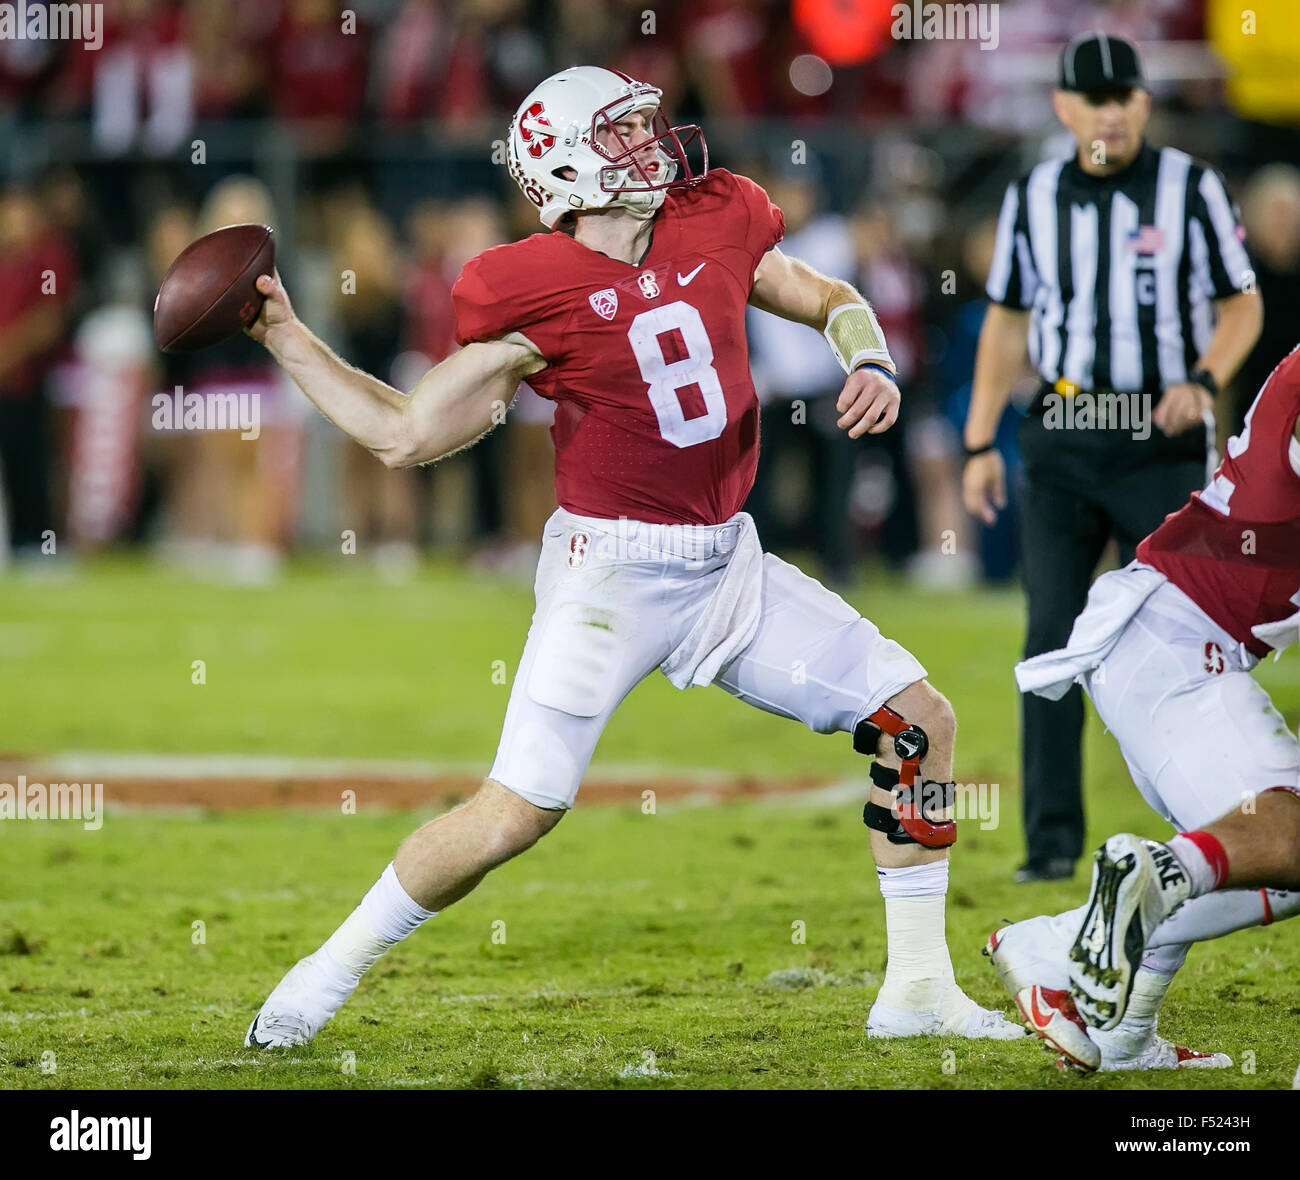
{"points": [[391, 912], [1165, 960], [386, 915], [1190, 851], [1134, 1032], [914, 880], [1149, 988], [1217, 914], [918, 973]]}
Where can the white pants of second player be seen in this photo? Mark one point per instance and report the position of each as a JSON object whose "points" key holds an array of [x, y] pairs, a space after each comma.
{"points": [[1198, 732], [615, 599]]}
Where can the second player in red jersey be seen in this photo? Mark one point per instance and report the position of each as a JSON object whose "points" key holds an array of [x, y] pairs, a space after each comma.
{"points": [[1165, 649], [1234, 549]]}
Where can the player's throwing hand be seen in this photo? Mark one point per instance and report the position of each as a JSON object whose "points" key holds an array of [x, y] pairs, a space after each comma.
{"points": [[868, 404], [277, 311]]}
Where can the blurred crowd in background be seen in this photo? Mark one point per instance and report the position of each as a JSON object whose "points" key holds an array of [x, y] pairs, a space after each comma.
{"points": [[365, 135]]}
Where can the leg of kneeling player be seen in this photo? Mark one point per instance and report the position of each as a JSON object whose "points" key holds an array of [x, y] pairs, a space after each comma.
{"points": [[1197, 735], [1254, 847], [1258, 845], [1204, 742], [817, 660]]}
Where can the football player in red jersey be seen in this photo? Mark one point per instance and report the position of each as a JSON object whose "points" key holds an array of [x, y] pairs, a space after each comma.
{"points": [[630, 315], [1164, 649]]}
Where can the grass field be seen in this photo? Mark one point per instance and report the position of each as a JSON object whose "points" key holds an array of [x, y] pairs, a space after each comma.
{"points": [[639, 950]]}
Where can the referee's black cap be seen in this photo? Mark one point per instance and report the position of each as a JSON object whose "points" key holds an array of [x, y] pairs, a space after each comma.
{"points": [[1098, 61]]}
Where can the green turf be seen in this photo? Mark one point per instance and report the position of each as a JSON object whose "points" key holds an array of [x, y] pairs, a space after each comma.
{"points": [[335, 664], [638, 948]]}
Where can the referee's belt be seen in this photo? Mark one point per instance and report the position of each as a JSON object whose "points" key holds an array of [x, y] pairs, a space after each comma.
{"points": [[1070, 389]]}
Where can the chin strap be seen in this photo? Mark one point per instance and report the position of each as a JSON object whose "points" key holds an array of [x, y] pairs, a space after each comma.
{"points": [[907, 821]]}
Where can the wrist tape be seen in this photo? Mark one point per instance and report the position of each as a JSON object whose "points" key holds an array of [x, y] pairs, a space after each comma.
{"points": [[855, 337]]}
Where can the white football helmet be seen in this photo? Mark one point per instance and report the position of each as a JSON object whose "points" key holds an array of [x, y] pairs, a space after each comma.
{"points": [[556, 128]]}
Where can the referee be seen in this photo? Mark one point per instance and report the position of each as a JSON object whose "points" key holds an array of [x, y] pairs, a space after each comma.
{"points": [[1123, 270]]}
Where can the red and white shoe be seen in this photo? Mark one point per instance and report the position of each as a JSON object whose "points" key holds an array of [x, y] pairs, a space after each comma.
{"points": [[1050, 1014], [1183, 1058], [1162, 1054], [1137, 1045], [1030, 958]]}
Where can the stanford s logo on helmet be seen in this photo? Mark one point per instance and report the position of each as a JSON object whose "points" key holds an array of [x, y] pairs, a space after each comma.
{"points": [[534, 130], [566, 152]]}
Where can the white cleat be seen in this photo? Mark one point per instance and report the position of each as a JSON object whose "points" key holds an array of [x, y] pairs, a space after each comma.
{"points": [[1027, 953], [963, 1018], [1157, 1053], [295, 1011], [278, 1030], [1136, 884], [991, 1025]]}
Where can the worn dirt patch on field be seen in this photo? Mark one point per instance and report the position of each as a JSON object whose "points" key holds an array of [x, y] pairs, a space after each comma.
{"points": [[224, 787]]}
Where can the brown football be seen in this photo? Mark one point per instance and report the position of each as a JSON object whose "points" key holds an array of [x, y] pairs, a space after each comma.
{"points": [[210, 292]]}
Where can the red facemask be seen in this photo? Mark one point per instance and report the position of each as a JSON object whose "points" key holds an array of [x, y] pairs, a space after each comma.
{"points": [[666, 141]]}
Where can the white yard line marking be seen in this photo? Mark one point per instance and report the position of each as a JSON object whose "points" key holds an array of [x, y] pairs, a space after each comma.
{"points": [[421, 1014], [73, 1014]]}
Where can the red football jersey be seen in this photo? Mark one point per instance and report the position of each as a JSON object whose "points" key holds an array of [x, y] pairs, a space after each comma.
{"points": [[656, 415], [1234, 549]]}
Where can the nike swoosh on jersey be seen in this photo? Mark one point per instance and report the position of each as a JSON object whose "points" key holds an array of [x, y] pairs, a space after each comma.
{"points": [[684, 280]]}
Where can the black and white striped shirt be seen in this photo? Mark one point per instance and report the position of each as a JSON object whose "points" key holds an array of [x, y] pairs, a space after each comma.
{"points": [[1120, 272]]}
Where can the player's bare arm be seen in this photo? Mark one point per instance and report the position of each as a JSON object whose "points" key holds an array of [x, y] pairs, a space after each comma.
{"points": [[998, 360], [792, 289], [454, 404]]}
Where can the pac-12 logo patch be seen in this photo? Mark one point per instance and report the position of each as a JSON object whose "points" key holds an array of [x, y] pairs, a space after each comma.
{"points": [[649, 284], [578, 546], [1213, 658], [605, 303]]}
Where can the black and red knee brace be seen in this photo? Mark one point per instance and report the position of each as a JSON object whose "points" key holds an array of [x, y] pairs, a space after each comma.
{"points": [[913, 817]]}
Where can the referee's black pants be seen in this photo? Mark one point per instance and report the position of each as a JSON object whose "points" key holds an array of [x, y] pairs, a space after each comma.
{"points": [[24, 468], [1080, 488]]}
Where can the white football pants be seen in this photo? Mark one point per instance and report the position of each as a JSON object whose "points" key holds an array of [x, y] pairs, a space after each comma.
{"points": [[616, 598]]}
